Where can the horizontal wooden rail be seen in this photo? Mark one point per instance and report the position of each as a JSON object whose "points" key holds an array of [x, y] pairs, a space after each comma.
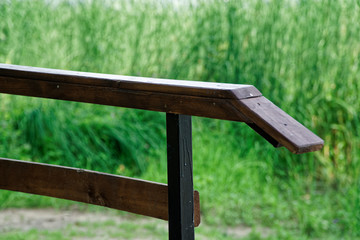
{"points": [[112, 191], [173, 96], [234, 102]]}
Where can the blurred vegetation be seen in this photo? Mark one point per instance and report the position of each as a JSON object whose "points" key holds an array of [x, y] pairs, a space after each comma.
{"points": [[303, 55]]}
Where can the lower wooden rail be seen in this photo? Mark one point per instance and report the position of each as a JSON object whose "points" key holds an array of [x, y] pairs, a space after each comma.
{"points": [[112, 191]]}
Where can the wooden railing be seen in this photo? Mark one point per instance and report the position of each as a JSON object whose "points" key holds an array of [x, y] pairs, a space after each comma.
{"points": [[177, 201]]}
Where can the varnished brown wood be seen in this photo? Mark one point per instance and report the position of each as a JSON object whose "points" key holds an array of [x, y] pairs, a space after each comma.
{"points": [[112, 191], [154, 101], [280, 126], [154, 85], [197, 216], [233, 102]]}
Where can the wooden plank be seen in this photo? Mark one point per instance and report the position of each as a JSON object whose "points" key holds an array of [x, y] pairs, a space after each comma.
{"points": [[279, 125], [180, 177], [155, 101], [112, 191], [113, 82]]}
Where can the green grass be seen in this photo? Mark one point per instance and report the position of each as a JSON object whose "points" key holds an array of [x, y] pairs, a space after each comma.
{"points": [[302, 55]]}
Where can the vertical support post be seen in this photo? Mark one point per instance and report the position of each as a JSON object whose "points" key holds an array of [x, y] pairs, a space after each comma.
{"points": [[180, 177]]}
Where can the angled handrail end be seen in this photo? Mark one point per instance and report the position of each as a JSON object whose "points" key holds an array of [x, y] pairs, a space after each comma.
{"points": [[277, 125]]}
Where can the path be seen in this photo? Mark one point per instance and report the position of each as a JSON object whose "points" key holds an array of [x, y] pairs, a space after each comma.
{"points": [[100, 225]]}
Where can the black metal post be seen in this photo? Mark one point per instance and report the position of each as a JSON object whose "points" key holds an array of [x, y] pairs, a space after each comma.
{"points": [[180, 177]]}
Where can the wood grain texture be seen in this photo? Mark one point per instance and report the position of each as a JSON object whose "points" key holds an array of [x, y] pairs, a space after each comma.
{"points": [[280, 126], [233, 102], [162, 101], [155, 85], [112, 191], [197, 216]]}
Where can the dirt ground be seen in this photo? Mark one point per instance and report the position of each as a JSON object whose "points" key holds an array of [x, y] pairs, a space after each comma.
{"points": [[52, 219]]}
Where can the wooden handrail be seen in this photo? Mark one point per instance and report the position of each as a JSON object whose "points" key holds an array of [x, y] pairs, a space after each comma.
{"points": [[236, 102], [181, 97], [177, 202]]}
